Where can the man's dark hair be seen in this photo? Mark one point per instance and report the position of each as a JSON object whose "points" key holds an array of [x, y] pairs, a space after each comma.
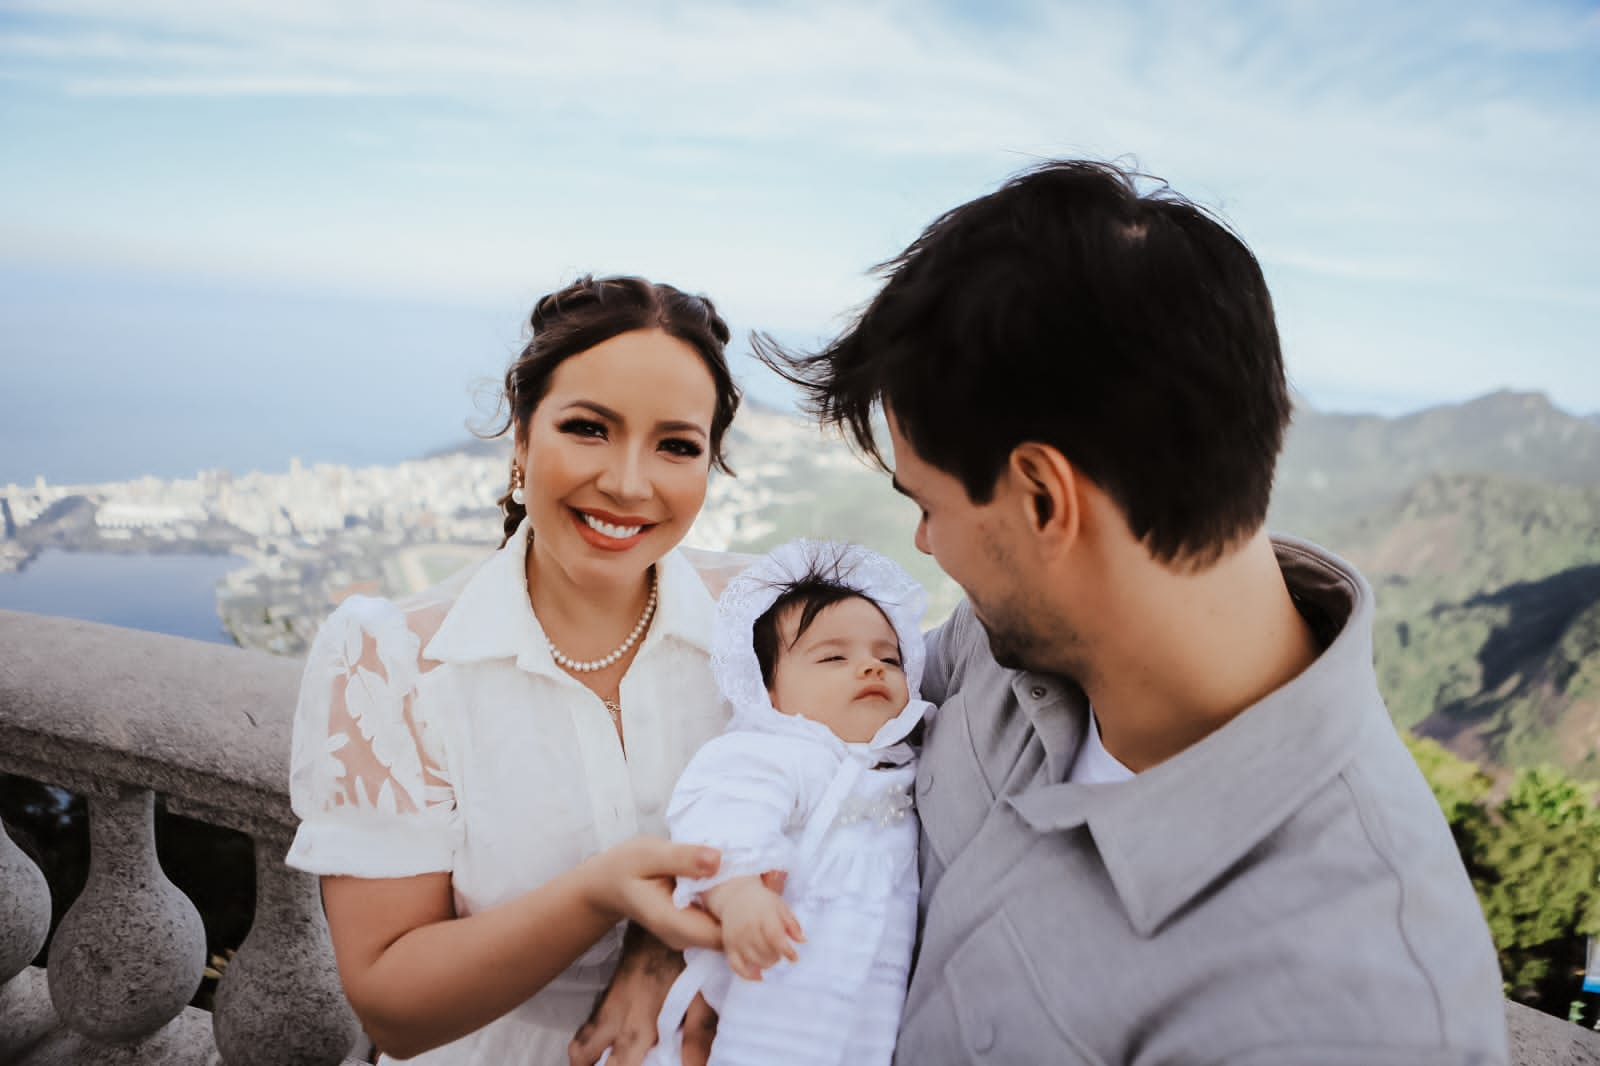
{"points": [[1131, 331], [811, 595]]}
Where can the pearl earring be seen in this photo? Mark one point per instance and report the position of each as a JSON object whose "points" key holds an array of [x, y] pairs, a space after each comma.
{"points": [[518, 497]]}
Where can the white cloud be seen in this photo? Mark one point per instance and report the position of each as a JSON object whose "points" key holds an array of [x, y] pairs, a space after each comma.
{"points": [[775, 151], [231, 85]]}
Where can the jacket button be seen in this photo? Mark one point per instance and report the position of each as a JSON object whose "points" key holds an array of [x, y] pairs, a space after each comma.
{"points": [[1037, 692]]}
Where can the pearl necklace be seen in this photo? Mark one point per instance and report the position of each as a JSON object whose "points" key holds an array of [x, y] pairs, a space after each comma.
{"points": [[604, 661]]}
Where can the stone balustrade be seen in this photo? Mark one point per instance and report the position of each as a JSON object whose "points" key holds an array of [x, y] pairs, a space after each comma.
{"points": [[119, 715]]}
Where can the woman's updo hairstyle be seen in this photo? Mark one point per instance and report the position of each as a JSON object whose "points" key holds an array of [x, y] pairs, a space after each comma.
{"points": [[591, 311]]}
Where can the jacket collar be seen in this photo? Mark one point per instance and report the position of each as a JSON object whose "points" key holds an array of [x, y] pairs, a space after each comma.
{"points": [[1169, 833], [493, 619]]}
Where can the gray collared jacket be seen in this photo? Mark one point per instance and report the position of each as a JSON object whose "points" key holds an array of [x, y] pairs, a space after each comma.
{"points": [[1285, 891]]}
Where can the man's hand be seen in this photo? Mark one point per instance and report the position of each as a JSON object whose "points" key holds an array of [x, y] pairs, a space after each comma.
{"points": [[624, 1017], [758, 928], [699, 1030]]}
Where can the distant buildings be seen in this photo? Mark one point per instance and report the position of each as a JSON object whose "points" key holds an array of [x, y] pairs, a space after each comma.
{"points": [[318, 533]]}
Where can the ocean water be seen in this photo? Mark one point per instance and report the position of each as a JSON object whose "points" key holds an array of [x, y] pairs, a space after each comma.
{"points": [[174, 594]]}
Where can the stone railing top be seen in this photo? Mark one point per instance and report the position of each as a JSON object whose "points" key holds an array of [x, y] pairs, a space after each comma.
{"points": [[92, 707], [1542, 1040]]}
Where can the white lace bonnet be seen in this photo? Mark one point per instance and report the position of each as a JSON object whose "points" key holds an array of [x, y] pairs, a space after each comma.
{"points": [[757, 588]]}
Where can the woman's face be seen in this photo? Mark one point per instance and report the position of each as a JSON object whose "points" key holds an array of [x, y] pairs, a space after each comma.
{"points": [[615, 457]]}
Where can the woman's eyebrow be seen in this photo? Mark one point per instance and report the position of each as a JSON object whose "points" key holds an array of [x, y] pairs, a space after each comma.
{"points": [[680, 426], [674, 425], [600, 409]]}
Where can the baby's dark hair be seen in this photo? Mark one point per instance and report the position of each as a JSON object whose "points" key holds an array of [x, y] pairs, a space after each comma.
{"points": [[811, 594]]}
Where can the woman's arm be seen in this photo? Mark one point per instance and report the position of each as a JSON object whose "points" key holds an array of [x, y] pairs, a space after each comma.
{"points": [[418, 977]]}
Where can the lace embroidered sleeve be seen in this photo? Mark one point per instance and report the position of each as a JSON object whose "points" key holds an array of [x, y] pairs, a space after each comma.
{"points": [[745, 795], [367, 776]]}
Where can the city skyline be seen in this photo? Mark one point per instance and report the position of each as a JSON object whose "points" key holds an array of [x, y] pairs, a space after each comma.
{"points": [[238, 232]]}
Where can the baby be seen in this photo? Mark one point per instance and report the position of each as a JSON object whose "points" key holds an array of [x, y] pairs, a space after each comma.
{"points": [[818, 648]]}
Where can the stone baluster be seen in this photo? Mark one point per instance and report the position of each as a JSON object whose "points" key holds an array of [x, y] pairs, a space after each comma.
{"points": [[280, 1001], [129, 953], [24, 909], [24, 924]]}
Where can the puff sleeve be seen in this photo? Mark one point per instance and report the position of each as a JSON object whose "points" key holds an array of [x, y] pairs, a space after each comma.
{"points": [[746, 794], [367, 776]]}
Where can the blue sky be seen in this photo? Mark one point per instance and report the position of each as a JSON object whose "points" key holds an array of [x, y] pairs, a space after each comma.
{"points": [[233, 232]]}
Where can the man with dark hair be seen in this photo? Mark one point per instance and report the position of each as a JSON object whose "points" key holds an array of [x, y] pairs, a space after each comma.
{"points": [[1166, 817]]}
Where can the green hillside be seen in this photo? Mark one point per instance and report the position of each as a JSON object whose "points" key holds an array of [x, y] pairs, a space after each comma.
{"points": [[1479, 528], [1488, 628]]}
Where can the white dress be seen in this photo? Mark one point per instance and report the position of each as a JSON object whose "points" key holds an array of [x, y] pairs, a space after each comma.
{"points": [[782, 792], [437, 734], [813, 806]]}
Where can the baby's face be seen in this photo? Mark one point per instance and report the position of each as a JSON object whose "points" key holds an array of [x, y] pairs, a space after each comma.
{"points": [[844, 671]]}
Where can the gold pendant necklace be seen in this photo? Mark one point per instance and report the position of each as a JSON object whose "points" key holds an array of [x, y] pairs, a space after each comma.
{"points": [[616, 711]]}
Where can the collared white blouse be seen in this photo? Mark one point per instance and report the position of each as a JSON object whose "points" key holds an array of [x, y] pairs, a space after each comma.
{"points": [[438, 734]]}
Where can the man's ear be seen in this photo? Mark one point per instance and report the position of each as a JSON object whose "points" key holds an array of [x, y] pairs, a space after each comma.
{"points": [[1047, 489]]}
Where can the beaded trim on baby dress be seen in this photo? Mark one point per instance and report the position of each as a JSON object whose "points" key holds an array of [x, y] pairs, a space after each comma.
{"points": [[890, 807]]}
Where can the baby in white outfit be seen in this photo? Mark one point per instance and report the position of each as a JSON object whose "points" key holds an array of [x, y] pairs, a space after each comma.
{"points": [[818, 648]]}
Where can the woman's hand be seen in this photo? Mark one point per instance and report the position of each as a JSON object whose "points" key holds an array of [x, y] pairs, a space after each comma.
{"points": [[634, 881]]}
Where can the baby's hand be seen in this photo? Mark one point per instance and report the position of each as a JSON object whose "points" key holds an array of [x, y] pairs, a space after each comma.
{"points": [[757, 926]]}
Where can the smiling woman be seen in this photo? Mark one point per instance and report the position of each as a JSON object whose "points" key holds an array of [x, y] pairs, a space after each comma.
{"points": [[459, 765], [621, 473]]}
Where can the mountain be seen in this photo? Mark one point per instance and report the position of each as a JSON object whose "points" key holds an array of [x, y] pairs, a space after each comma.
{"points": [[1336, 465], [1478, 525]]}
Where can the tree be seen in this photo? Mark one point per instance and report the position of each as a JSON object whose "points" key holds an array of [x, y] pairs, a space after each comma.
{"points": [[1534, 858]]}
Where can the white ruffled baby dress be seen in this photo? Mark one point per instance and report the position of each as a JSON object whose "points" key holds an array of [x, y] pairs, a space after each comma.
{"points": [[782, 792]]}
